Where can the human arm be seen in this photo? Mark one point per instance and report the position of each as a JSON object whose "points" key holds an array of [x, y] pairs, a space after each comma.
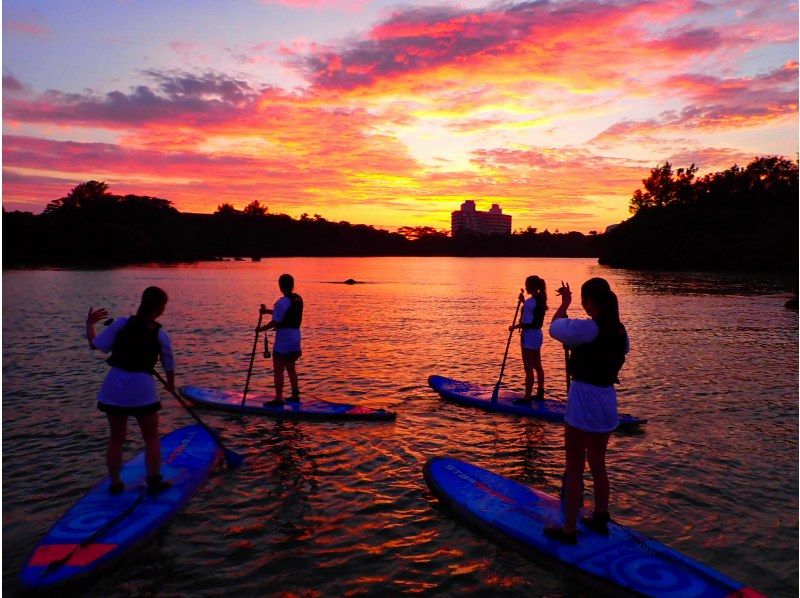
{"points": [[91, 319], [271, 324], [566, 300], [521, 325], [167, 359]]}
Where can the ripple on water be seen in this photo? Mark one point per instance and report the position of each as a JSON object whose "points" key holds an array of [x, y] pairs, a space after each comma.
{"points": [[341, 508]]}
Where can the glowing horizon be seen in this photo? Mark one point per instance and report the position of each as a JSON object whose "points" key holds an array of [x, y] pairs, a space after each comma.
{"points": [[392, 115]]}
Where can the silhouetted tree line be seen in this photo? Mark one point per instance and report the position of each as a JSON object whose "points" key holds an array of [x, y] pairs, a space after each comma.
{"points": [[91, 227], [743, 218]]}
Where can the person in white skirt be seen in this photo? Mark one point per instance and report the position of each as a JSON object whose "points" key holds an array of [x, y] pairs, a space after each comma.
{"points": [[136, 343], [531, 337], [287, 317], [598, 347]]}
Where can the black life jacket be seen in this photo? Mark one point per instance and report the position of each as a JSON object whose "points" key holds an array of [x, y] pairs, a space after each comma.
{"points": [[136, 347], [538, 314], [598, 362], [294, 315]]}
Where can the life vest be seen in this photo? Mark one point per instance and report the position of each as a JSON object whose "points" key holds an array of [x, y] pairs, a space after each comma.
{"points": [[598, 362], [136, 347], [538, 314], [294, 315]]}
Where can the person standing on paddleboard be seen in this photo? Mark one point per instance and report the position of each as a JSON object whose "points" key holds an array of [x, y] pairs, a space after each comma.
{"points": [[135, 343], [287, 315], [598, 348], [531, 337]]}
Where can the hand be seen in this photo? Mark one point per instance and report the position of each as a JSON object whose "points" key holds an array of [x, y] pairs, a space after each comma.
{"points": [[94, 317], [512, 328], [565, 292], [263, 310], [521, 296]]}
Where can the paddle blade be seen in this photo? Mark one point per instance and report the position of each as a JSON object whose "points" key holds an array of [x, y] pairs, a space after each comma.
{"points": [[496, 392], [233, 460]]}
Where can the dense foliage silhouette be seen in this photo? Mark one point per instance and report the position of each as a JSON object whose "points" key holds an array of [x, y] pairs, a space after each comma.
{"points": [[91, 227], [743, 218]]}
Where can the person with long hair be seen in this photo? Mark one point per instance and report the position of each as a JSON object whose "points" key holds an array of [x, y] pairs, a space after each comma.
{"points": [[136, 343], [531, 337], [598, 347], [287, 316]]}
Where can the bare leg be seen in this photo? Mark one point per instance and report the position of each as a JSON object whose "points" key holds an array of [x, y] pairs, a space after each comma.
{"points": [[290, 369], [537, 366], [278, 364], [575, 441], [152, 443], [528, 364], [118, 426], [596, 456]]}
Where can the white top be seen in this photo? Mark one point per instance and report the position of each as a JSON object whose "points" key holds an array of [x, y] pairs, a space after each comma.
{"points": [[130, 389], [590, 408], [287, 340], [531, 337]]}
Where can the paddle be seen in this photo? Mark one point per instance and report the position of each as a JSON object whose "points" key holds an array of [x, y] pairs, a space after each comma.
{"points": [[566, 366], [253, 354], [496, 390], [233, 459]]}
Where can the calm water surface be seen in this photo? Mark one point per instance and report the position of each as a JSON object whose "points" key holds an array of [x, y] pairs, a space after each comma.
{"points": [[327, 509]]}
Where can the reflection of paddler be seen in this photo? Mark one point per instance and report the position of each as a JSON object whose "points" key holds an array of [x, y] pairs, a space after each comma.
{"points": [[287, 316]]}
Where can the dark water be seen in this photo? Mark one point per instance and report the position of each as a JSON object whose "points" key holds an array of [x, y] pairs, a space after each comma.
{"points": [[325, 509]]}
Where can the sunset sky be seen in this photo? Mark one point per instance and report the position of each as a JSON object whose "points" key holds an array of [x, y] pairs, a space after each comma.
{"points": [[391, 114]]}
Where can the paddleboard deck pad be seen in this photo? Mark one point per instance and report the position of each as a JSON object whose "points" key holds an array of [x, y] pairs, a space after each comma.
{"points": [[101, 528], [306, 408], [515, 515], [480, 396]]}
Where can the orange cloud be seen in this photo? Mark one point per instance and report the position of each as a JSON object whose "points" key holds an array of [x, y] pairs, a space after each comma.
{"points": [[554, 110]]}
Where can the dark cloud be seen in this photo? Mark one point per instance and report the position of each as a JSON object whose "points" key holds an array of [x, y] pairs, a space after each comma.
{"points": [[174, 96], [12, 85]]}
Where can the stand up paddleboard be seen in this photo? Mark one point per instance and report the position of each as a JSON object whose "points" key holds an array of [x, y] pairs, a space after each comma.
{"points": [[306, 408], [515, 515], [101, 528], [480, 396]]}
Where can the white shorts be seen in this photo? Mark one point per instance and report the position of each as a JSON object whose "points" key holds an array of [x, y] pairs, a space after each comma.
{"points": [[592, 408], [532, 338], [127, 389]]}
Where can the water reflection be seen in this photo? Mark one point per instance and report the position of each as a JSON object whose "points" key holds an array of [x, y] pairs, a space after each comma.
{"points": [[337, 508]]}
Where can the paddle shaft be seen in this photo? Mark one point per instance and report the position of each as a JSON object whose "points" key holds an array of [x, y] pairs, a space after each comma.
{"points": [[566, 366], [252, 358], [232, 458], [505, 355]]}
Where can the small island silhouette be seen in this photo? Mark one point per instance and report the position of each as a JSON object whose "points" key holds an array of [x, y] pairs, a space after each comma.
{"points": [[743, 218]]}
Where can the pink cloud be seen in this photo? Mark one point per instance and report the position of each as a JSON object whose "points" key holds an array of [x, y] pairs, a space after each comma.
{"points": [[24, 28]]}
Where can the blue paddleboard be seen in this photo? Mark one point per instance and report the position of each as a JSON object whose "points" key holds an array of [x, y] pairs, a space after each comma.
{"points": [[515, 515], [480, 396], [101, 528], [306, 408]]}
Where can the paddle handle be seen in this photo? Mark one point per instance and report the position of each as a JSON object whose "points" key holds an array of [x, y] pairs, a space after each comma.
{"points": [[252, 358]]}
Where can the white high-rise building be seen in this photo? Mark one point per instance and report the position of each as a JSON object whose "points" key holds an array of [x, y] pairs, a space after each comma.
{"points": [[468, 220]]}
